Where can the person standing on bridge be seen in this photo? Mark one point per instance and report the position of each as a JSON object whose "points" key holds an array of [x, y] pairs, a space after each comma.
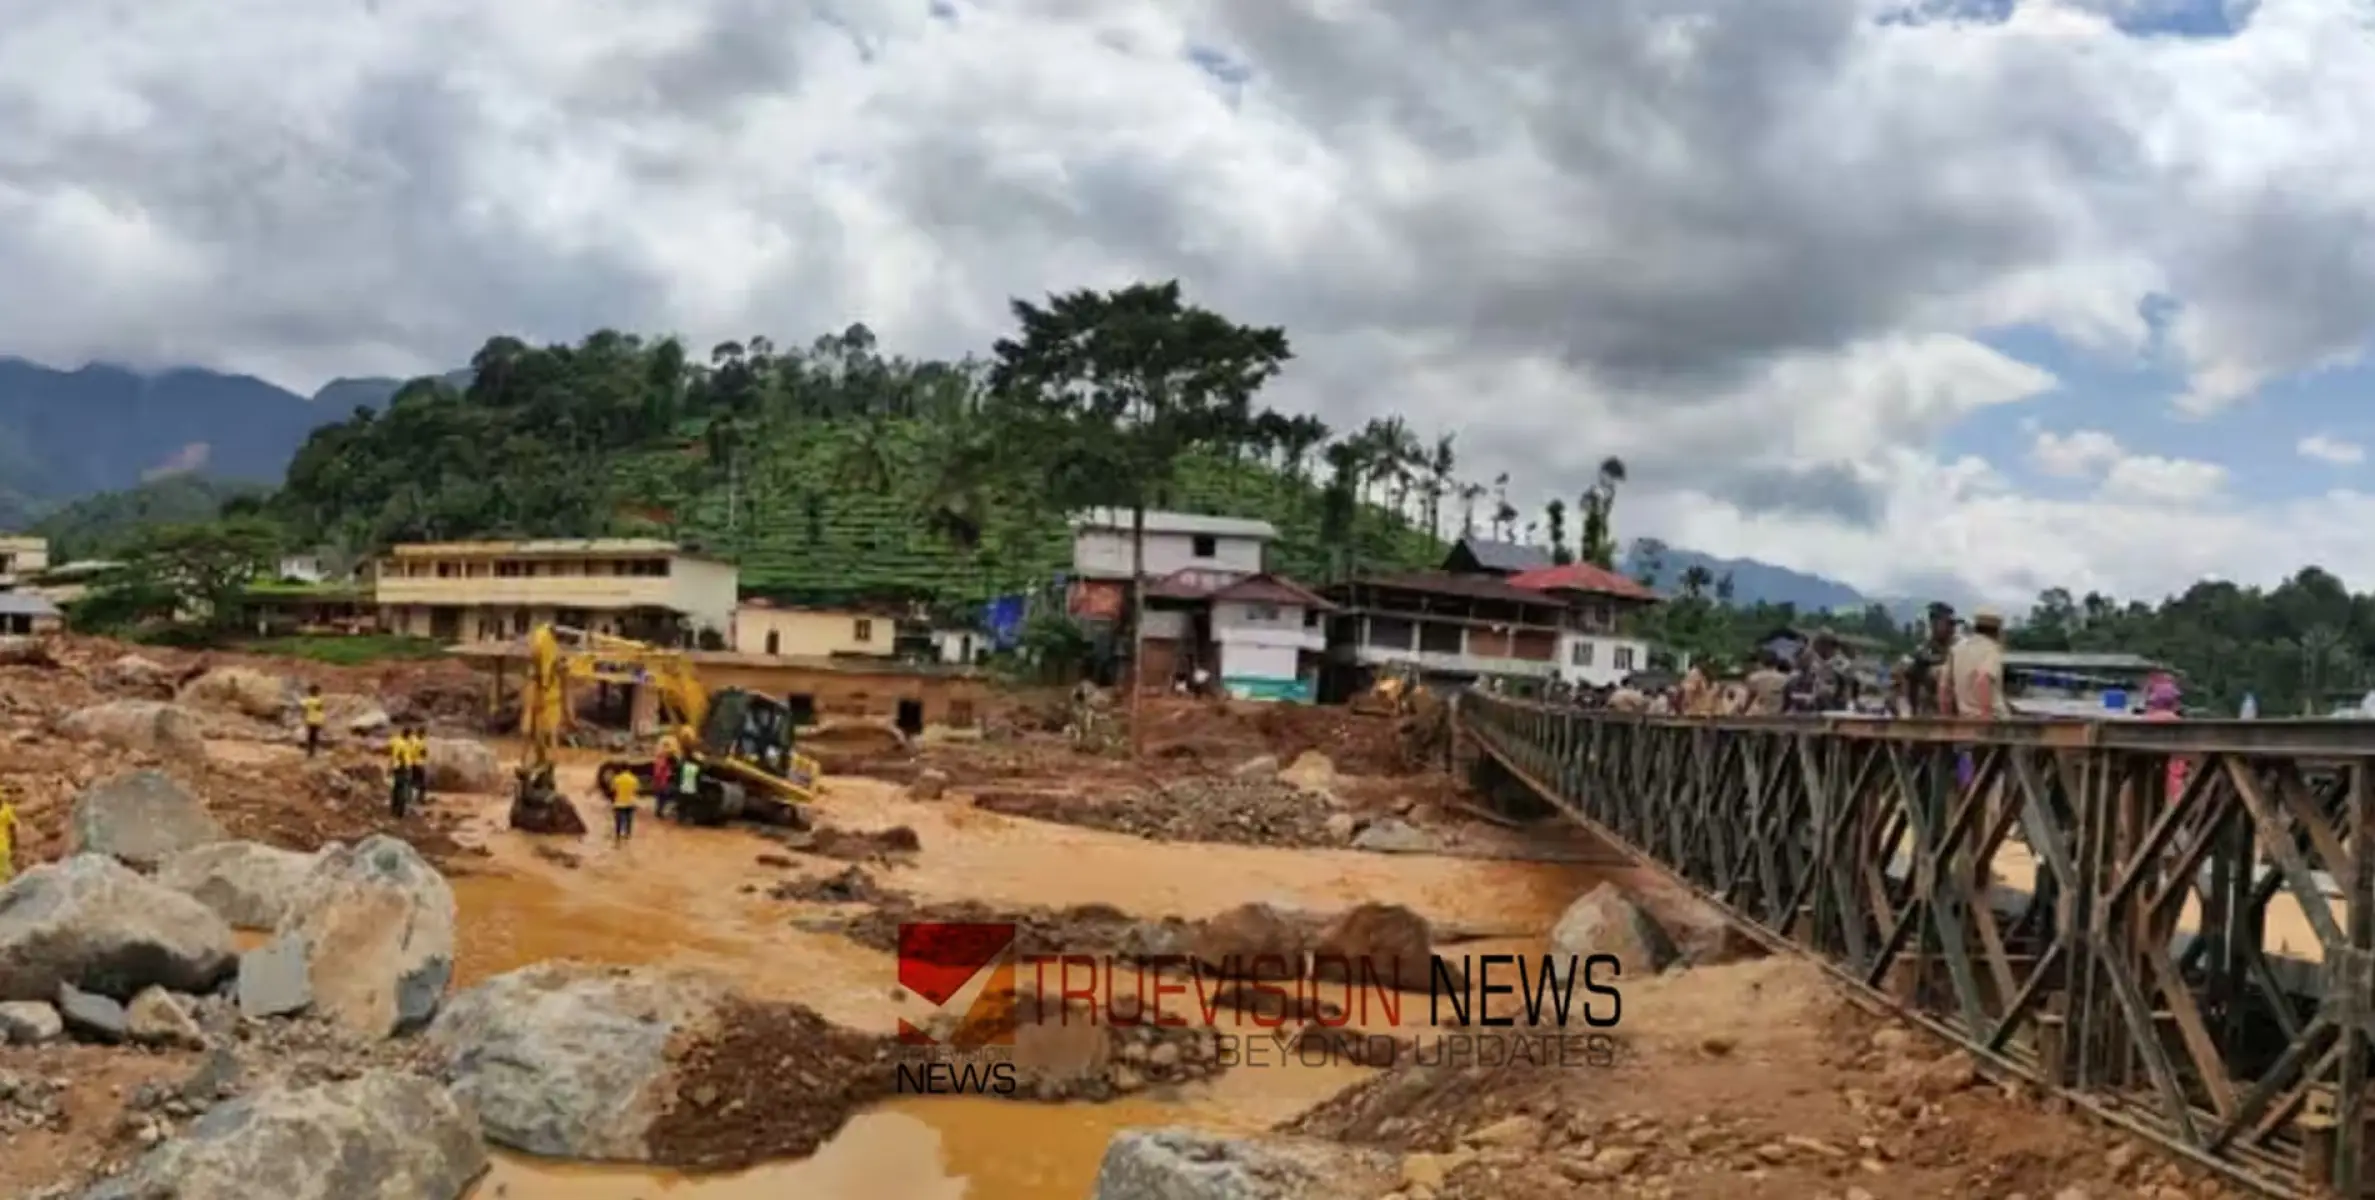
{"points": [[1973, 686], [1926, 666]]}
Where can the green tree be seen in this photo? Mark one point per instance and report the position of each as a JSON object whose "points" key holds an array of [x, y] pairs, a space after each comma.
{"points": [[1141, 376], [1598, 540], [1556, 513], [206, 568]]}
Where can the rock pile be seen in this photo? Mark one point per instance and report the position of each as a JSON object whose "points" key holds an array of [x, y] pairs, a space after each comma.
{"points": [[94, 924], [382, 1135], [1253, 811]]}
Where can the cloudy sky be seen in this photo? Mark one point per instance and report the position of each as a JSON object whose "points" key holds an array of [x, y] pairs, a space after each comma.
{"points": [[1980, 295]]}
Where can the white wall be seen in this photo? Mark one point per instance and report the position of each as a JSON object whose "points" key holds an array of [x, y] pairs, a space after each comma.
{"points": [[1250, 660], [1605, 660], [1235, 622], [1105, 553]]}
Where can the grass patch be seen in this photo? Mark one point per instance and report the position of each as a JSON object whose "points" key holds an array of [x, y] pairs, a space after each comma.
{"points": [[349, 651]]}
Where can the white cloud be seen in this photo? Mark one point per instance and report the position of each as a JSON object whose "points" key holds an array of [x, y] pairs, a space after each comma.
{"points": [[2074, 455], [1750, 244], [2326, 448]]}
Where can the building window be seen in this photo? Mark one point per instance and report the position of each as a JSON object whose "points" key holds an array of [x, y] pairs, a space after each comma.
{"points": [[774, 642], [1310, 618], [507, 570], [519, 622], [1205, 545], [865, 631], [1583, 654], [1624, 658], [1264, 613]]}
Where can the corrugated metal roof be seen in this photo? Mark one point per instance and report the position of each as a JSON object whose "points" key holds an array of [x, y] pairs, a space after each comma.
{"points": [[25, 604], [1176, 522], [2078, 660], [1273, 589], [1501, 556]]}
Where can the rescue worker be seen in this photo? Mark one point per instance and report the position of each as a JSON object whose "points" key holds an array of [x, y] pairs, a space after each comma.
{"points": [[688, 784], [622, 805], [1768, 686], [1928, 661], [1972, 686], [312, 704], [399, 770], [1697, 697], [416, 764], [7, 837], [663, 773]]}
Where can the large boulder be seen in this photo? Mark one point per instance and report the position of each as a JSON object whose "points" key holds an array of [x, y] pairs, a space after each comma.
{"points": [[571, 1060], [147, 725], [1376, 945], [97, 924], [253, 886], [1186, 1164], [141, 818], [1395, 836], [243, 690], [1252, 941], [376, 925], [1311, 771], [145, 674], [1606, 921], [361, 716], [462, 765], [381, 1136]]}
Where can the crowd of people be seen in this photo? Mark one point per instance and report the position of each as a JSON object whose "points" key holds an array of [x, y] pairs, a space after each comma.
{"points": [[1958, 670]]}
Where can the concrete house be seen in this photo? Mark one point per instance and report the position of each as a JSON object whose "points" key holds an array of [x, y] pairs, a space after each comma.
{"points": [[641, 588], [21, 558], [1447, 627], [23, 614], [764, 627], [1593, 649]]}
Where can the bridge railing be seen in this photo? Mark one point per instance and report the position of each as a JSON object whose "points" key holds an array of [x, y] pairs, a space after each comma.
{"points": [[2169, 924]]}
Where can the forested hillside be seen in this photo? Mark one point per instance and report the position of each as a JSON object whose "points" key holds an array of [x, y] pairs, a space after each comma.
{"points": [[829, 472]]}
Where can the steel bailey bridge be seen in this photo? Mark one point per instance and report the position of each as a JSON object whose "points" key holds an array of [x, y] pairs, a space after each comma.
{"points": [[2189, 954]]}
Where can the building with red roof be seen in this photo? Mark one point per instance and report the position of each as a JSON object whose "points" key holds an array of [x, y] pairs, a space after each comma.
{"points": [[1594, 649]]}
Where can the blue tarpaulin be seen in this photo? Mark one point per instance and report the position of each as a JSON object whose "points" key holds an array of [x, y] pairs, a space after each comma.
{"points": [[1004, 620]]}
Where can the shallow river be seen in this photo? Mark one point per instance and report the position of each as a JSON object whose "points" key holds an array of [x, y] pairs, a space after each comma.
{"points": [[677, 895]]}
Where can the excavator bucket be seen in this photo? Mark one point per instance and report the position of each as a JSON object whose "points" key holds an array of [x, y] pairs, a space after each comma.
{"points": [[539, 807]]}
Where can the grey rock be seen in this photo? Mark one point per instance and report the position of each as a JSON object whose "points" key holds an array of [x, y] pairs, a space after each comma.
{"points": [[95, 923], [1394, 836], [217, 1076], [570, 1060], [141, 818], [1183, 1164], [150, 725], [155, 1018], [462, 765], [241, 689], [380, 1136], [1606, 921], [275, 979], [91, 1015], [29, 1023], [253, 886], [378, 927]]}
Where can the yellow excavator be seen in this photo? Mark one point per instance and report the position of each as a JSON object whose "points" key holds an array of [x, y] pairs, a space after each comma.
{"points": [[737, 744], [1390, 695]]}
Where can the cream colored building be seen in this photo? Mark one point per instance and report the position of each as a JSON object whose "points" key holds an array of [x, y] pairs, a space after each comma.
{"points": [[763, 628], [462, 592], [22, 558]]}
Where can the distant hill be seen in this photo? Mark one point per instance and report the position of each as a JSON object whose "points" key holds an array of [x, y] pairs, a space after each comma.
{"points": [[338, 399], [98, 526], [1755, 582], [70, 434]]}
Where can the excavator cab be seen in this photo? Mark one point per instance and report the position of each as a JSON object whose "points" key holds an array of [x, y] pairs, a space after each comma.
{"points": [[744, 766], [756, 729]]}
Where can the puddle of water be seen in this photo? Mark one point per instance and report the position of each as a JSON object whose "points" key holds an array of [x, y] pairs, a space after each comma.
{"points": [[940, 1149]]}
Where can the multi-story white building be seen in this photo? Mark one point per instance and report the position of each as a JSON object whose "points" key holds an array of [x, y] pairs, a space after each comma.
{"points": [[1594, 650], [640, 588], [1458, 627], [1174, 542]]}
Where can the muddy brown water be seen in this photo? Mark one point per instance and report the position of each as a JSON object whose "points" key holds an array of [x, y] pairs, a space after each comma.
{"points": [[696, 897]]}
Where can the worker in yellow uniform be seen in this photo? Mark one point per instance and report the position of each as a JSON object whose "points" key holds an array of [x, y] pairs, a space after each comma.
{"points": [[418, 758], [399, 770], [622, 805], [7, 837], [313, 719]]}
